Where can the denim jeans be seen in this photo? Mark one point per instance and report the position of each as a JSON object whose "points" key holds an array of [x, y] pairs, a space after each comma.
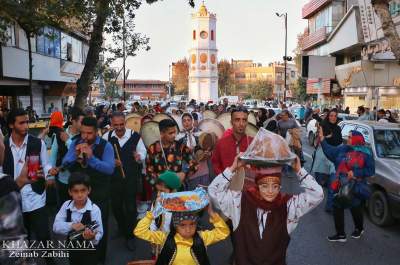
{"points": [[329, 199]]}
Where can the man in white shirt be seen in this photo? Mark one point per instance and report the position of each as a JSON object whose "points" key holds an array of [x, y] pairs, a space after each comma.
{"points": [[19, 147], [130, 153]]}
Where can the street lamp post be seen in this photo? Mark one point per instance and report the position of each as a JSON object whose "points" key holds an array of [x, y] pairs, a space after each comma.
{"points": [[169, 81], [285, 58], [124, 55]]}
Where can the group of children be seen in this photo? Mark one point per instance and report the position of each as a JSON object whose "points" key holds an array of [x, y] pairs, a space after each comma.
{"points": [[178, 233]]}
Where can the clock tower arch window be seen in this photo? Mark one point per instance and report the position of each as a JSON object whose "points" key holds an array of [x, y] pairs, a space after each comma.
{"points": [[212, 34], [194, 34]]}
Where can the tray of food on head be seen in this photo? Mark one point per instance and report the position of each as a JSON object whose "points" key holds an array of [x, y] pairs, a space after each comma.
{"points": [[268, 149], [186, 201]]}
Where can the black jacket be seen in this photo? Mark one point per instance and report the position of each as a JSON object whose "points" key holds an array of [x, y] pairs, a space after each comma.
{"points": [[330, 128]]}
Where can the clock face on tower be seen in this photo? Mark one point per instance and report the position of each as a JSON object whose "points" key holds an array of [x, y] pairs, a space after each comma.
{"points": [[204, 34], [203, 58]]}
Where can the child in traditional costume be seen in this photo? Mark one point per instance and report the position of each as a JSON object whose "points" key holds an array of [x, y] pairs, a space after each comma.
{"points": [[184, 244], [262, 216]]}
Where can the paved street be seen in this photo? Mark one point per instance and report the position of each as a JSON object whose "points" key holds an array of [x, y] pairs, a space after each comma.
{"points": [[308, 245]]}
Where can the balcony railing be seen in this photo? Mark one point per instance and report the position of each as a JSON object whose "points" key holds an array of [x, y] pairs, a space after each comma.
{"points": [[313, 6], [314, 39]]}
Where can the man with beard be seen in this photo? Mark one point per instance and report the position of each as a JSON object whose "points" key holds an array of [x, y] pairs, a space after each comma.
{"points": [[20, 148], [130, 152], [232, 144], [92, 155]]}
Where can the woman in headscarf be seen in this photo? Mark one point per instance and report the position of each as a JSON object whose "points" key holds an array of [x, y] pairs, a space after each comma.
{"points": [[263, 116], [262, 216], [354, 163], [323, 168], [190, 137], [271, 123]]}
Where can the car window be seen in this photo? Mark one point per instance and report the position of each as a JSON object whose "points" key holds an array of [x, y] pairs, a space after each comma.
{"points": [[387, 143], [364, 131], [346, 129]]}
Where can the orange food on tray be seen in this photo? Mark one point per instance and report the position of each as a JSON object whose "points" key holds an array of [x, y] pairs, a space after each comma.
{"points": [[175, 204]]}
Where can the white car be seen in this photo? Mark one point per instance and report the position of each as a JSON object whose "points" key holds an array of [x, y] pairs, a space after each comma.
{"points": [[311, 126]]}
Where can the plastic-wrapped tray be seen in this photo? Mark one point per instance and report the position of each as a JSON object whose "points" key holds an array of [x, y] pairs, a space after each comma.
{"points": [[186, 201], [264, 162], [268, 149]]}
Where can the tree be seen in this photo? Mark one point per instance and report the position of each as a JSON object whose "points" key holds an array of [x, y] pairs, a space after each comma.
{"points": [[225, 79], [261, 89], [389, 28], [110, 76], [180, 76], [32, 16], [298, 51], [106, 16], [300, 90]]}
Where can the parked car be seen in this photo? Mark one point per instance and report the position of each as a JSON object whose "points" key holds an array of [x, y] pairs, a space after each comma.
{"points": [[384, 141], [311, 126]]}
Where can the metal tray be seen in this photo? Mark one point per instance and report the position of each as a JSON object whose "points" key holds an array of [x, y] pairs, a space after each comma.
{"points": [[265, 162]]}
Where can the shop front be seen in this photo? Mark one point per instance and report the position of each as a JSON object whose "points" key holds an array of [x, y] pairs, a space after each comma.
{"points": [[370, 84]]}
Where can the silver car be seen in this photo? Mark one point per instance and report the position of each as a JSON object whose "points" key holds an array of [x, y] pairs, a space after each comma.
{"points": [[384, 140]]}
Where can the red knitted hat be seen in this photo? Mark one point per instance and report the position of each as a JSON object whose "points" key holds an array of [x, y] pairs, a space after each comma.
{"points": [[262, 172], [56, 119]]}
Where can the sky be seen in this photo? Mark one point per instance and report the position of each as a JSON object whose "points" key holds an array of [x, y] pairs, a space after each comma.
{"points": [[246, 29]]}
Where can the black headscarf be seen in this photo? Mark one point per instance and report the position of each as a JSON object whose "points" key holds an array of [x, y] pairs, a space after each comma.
{"points": [[332, 128]]}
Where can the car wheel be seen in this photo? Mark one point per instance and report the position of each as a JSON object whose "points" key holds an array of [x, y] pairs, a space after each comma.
{"points": [[378, 208], [311, 138]]}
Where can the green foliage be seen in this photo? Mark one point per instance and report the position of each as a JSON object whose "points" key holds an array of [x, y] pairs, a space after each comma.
{"points": [[225, 80], [180, 76], [261, 89], [300, 90]]}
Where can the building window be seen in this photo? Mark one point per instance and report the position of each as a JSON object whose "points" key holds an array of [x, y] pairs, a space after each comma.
{"points": [[48, 42], [240, 75], [212, 34], [10, 34], [72, 49], [253, 75], [293, 74], [194, 35], [320, 20]]}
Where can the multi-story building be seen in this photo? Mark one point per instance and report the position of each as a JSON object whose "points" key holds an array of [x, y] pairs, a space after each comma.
{"points": [[365, 69], [58, 60], [145, 89], [323, 17], [247, 72]]}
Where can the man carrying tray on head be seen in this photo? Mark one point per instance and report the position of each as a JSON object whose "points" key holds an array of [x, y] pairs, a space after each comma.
{"points": [[262, 216]]}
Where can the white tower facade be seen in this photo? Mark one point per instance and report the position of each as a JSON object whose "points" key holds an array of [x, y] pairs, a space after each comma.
{"points": [[203, 69]]}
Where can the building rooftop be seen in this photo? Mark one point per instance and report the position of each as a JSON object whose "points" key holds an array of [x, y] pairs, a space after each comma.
{"points": [[143, 82]]}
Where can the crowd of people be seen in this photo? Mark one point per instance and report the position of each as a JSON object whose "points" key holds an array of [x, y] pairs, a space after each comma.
{"points": [[96, 167]]}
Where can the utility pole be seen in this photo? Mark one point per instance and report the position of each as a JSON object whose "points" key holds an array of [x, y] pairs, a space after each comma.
{"points": [[124, 55], [285, 58]]}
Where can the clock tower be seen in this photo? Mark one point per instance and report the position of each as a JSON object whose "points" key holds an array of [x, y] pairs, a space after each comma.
{"points": [[203, 67]]}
